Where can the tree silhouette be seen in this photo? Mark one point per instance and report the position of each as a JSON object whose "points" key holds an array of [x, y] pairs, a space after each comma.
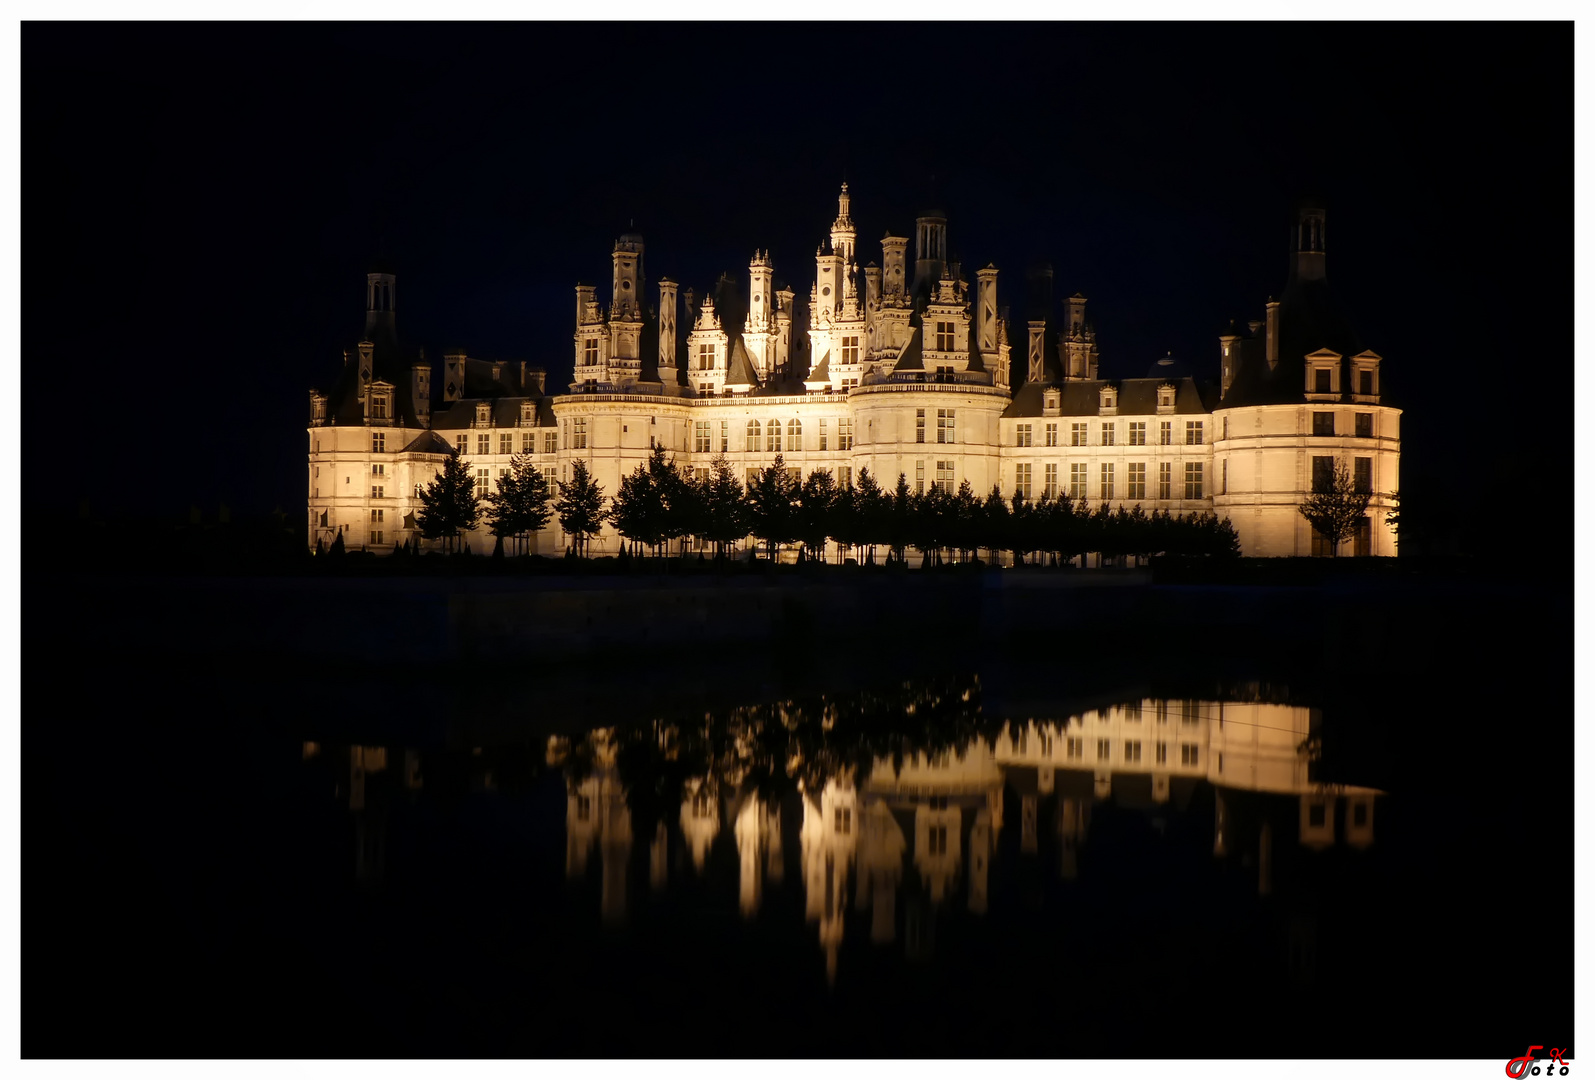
{"points": [[816, 505], [772, 506], [1335, 506], [520, 505], [449, 504], [724, 509], [580, 505]]}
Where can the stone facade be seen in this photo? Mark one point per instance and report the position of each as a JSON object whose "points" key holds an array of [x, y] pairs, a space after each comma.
{"points": [[909, 376]]}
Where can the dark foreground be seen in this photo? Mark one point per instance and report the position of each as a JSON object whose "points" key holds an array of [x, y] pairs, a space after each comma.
{"points": [[198, 882]]}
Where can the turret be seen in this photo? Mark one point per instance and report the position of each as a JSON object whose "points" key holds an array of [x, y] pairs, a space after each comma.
{"points": [[667, 332], [625, 300], [930, 248], [379, 305], [894, 282], [842, 233], [1308, 241]]}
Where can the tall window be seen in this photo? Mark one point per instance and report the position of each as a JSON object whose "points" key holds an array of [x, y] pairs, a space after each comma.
{"points": [[1323, 423], [1362, 538], [1193, 433], [376, 492], [1132, 751], [459, 444], [919, 425], [379, 406], [1362, 474], [1138, 433], [705, 357], [844, 434], [1193, 479], [1050, 487], [1023, 432], [1162, 753], [944, 337], [725, 436], [1135, 481], [1107, 434], [1104, 749], [850, 350], [550, 442], [590, 352], [1365, 382], [1165, 477], [379, 442], [1107, 481], [772, 437], [484, 444], [1021, 480], [822, 433], [919, 477], [1166, 433], [528, 442], [578, 433], [794, 435], [944, 426], [1323, 472], [482, 480], [1074, 748], [1188, 752], [944, 476], [506, 443], [379, 470], [700, 437], [1321, 381], [844, 475], [1052, 434], [1077, 435], [752, 444], [1077, 479], [1365, 425]]}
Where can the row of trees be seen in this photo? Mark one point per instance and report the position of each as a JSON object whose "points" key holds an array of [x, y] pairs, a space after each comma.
{"points": [[661, 507]]}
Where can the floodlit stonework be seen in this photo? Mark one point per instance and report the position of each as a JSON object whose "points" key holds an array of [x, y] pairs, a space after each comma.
{"points": [[902, 373]]}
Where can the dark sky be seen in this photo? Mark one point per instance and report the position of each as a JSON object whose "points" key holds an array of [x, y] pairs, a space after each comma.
{"points": [[201, 204]]}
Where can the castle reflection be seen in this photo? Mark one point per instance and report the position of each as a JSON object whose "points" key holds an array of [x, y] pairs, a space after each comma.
{"points": [[902, 803]]}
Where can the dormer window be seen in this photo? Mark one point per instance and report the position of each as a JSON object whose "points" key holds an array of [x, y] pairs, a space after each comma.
{"points": [[1365, 376], [528, 414], [1108, 400], [318, 408], [1323, 373], [482, 411], [1052, 403], [380, 401], [1165, 398]]}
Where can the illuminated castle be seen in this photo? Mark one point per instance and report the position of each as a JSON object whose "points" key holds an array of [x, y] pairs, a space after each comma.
{"points": [[905, 369]]}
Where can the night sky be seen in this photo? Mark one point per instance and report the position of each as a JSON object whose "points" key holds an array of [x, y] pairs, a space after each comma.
{"points": [[201, 204]]}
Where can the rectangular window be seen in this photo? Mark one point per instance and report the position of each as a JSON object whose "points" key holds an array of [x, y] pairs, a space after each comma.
{"points": [[1162, 753], [1323, 473], [700, 436], [705, 358], [1050, 487], [506, 444], [844, 475], [1077, 479], [794, 436], [376, 517], [1321, 381], [1193, 479], [844, 434], [850, 350], [1363, 474], [772, 437], [1107, 434], [1074, 748], [550, 442], [1188, 713], [1052, 434], [1104, 749], [376, 536], [944, 476], [1166, 433], [944, 337], [1365, 425], [1188, 753], [1135, 481], [1162, 712], [528, 442], [1077, 435], [459, 444], [379, 407], [379, 470], [578, 432], [944, 426], [1021, 480], [1165, 477], [1023, 433], [1193, 433], [1107, 482], [590, 352], [1132, 752], [822, 433], [482, 479], [751, 478], [1365, 382], [379, 442], [1138, 433], [484, 445], [1323, 423], [919, 477], [1362, 538], [919, 425], [377, 492], [701, 475], [725, 436]]}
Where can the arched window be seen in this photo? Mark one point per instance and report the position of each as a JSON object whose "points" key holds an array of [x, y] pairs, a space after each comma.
{"points": [[753, 435], [794, 436], [772, 438]]}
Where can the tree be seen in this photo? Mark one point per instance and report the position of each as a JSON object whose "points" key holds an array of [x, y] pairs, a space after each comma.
{"points": [[900, 520], [994, 522], [449, 504], [965, 532], [724, 509], [1393, 518], [1335, 506], [637, 509], [816, 505], [580, 505], [873, 507], [520, 505], [772, 509]]}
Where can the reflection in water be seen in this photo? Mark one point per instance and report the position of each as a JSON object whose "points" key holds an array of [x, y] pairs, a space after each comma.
{"points": [[898, 800]]}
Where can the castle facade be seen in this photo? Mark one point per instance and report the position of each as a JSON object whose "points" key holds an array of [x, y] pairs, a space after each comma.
{"points": [[902, 367]]}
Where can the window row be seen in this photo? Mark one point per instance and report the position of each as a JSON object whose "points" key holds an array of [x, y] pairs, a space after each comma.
{"points": [[1074, 750], [1324, 424], [1108, 433], [1134, 488], [945, 430], [506, 444]]}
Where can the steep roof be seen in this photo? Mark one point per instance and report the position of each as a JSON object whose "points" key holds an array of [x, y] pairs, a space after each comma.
{"points": [[428, 442], [739, 368], [1137, 397]]}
